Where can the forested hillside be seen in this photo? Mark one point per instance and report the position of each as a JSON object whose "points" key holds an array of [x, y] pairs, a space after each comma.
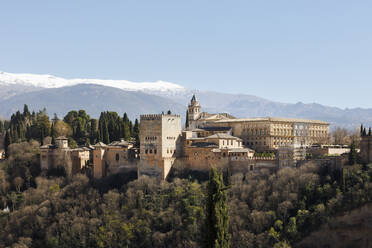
{"points": [[45, 209], [265, 210], [352, 229]]}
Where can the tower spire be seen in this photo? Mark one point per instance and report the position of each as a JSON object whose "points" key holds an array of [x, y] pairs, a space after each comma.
{"points": [[193, 113]]}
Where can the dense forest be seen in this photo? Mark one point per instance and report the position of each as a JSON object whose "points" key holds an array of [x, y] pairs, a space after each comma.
{"points": [[77, 126], [40, 209]]}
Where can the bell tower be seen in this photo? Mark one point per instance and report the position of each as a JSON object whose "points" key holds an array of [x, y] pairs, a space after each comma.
{"points": [[193, 112]]}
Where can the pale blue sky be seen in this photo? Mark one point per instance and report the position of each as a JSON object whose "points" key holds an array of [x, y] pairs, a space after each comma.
{"points": [[289, 51]]}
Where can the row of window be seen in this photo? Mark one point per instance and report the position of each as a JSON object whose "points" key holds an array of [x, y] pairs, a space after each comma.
{"points": [[227, 142], [150, 151], [236, 155], [151, 138], [282, 132], [254, 143], [171, 151]]}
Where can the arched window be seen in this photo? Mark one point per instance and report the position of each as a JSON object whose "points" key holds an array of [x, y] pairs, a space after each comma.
{"points": [[117, 157]]}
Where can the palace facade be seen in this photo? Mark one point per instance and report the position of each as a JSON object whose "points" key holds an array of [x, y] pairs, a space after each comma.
{"points": [[262, 134]]}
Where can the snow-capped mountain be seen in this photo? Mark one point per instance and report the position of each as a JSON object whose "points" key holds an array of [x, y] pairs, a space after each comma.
{"points": [[49, 81], [60, 95]]}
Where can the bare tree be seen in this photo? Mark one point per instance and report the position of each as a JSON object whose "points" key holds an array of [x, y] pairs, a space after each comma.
{"points": [[18, 183], [340, 136]]}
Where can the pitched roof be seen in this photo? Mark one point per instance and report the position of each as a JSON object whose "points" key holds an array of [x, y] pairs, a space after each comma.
{"points": [[61, 138], [222, 136], [100, 144], [120, 143], [273, 119], [214, 129], [47, 146], [230, 150]]}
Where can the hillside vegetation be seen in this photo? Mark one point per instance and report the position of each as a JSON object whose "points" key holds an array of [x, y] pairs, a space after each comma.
{"points": [[266, 210], [353, 229]]}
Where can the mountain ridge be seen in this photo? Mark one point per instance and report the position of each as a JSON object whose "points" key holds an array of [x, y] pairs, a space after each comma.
{"points": [[15, 92], [50, 81]]}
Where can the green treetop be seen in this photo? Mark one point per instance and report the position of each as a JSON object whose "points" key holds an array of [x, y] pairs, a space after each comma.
{"points": [[217, 216]]}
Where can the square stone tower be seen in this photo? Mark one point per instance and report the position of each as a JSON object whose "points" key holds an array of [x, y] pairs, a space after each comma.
{"points": [[160, 136], [366, 149]]}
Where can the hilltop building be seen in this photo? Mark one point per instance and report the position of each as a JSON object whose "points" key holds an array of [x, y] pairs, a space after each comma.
{"points": [[60, 155], [289, 155], [209, 140], [160, 137], [197, 119], [218, 150], [262, 134], [118, 156]]}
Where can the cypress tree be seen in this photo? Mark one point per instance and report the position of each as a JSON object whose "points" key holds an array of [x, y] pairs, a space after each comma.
{"points": [[26, 112], [369, 132], [187, 119], [55, 118], [136, 131], [125, 118], [1, 127], [130, 127], [364, 132], [361, 130], [106, 136], [217, 217], [42, 137], [353, 155], [7, 142], [93, 131], [53, 134]]}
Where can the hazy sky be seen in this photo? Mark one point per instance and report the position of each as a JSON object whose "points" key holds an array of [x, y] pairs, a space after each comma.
{"points": [[289, 51]]}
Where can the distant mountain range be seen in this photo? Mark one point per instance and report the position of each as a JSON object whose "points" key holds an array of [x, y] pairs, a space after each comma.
{"points": [[61, 95]]}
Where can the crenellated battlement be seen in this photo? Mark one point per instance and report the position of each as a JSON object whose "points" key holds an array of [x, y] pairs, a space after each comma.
{"points": [[156, 116]]}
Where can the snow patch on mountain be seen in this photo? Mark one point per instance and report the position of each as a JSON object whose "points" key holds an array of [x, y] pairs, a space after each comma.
{"points": [[49, 81]]}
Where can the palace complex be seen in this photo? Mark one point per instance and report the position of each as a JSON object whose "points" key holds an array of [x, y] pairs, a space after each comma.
{"points": [[208, 140]]}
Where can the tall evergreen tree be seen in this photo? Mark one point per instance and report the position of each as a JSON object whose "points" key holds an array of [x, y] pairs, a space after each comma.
{"points": [[369, 132], [361, 130], [187, 119], [125, 118], [7, 142], [55, 118], [53, 134], [364, 132], [2, 128], [26, 112], [106, 136], [217, 217], [93, 134], [136, 131], [353, 155], [131, 129]]}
